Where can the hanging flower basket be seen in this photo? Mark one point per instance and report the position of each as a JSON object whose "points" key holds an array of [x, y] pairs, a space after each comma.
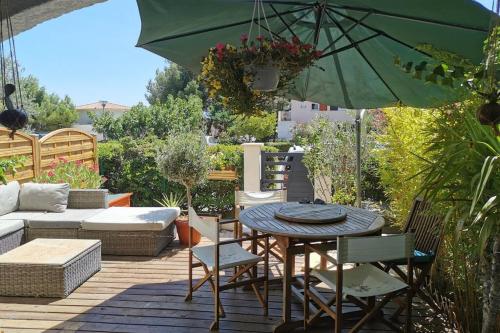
{"points": [[247, 78], [266, 77]]}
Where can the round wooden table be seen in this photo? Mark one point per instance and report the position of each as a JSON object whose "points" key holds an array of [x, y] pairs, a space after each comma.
{"points": [[291, 237]]}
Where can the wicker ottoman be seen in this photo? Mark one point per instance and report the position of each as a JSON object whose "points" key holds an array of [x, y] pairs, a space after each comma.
{"points": [[49, 267]]}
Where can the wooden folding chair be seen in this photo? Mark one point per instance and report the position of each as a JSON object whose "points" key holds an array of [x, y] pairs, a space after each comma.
{"points": [[224, 254], [428, 228], [364, 281], [245, 199]]}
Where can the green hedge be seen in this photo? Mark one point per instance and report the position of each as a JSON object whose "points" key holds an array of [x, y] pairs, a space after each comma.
{"points": [[130, 166], [281, 146]]}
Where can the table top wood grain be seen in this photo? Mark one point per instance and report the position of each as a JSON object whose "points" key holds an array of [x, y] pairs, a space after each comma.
{"points": [[358, 222]]}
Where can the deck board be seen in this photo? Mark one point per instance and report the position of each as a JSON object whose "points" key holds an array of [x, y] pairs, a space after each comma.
{"points": [[142, 294]]}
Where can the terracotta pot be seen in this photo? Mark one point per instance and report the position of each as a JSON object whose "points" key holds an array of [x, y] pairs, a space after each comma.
{"points": [[182, 226], [265, 77]]}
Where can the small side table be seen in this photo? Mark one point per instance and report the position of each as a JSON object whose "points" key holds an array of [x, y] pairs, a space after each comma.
{"points": [[119, 200]]}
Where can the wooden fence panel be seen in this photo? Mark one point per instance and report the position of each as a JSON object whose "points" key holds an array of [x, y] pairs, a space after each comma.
{"points": [[22, 145], [68, 143]]}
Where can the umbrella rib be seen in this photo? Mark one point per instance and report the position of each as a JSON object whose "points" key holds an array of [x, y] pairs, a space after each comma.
{"points": [[350, 46], [363, 55], [282, 20], [382, 33], [220, 27], [409, 17], [296, 20], [348, 29]]}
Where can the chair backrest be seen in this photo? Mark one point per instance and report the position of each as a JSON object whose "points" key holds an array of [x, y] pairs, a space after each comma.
{"points": [[250, 199], [426, 225], [376, 248], [206, 226]]}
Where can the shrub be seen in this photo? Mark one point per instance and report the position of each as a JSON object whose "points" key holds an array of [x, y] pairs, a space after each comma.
{"points": [[175, 115], [282, 146], [331, 154], [399, 156], [76, 174], [9, 166], [183, 159]]}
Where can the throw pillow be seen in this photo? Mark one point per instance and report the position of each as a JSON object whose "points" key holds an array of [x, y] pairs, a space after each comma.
{"points": [[9, 197], [44, 197]]}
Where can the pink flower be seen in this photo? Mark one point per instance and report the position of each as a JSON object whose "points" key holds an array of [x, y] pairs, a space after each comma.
{"points": [[244, 38], [220, 50], [220, 47], [62, 159], [260, 38], [51, 174], [295, 40], [79, 162], [318, 53]]}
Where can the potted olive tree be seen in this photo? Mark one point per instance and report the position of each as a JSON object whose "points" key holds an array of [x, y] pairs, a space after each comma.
{"points": [[183, 159]]}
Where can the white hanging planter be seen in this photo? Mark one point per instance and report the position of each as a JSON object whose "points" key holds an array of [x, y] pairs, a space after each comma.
{"points": [[266, 77]]}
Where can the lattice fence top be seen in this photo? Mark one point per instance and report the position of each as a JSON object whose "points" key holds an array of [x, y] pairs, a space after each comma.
{"points": [[69, 143], [22, 145]]}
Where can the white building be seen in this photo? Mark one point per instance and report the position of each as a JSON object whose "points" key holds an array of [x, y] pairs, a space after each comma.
{"points": [[304, 112], [84, 122]]}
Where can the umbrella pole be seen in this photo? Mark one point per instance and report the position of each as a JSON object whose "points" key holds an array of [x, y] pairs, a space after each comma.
{"points": [[359, 118]]}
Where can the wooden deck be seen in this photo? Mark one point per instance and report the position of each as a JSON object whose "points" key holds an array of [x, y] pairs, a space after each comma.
{"points": [[140, 294]]}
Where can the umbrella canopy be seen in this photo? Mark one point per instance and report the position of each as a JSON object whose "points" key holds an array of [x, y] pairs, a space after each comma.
{"points": [[360, 40], [28, 13]]}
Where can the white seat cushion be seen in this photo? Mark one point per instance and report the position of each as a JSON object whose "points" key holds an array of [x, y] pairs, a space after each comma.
{"points": [[9, 197], [132, 219], [230, 255], [10, 226], [20, 215], [70, 218], [362, 281]]}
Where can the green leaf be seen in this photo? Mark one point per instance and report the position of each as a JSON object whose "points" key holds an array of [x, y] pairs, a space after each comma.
{"points": [[485, 233], [447, 81], [486, 170], [440, 70], [408, 66], [431, 78]]}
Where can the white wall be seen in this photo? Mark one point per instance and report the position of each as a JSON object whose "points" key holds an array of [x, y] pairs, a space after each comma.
{"points": [[303, 112]]}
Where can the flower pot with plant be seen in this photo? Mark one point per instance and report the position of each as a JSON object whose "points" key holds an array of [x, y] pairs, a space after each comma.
{"points": [[183, 159], [248, 78], [182, 222]]}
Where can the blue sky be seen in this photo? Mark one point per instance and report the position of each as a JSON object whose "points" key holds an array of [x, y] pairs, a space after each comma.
{"points": [[90, 54]]}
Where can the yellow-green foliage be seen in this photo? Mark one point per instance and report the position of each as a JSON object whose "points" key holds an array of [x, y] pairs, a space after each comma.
{"points": [[399, 156]]}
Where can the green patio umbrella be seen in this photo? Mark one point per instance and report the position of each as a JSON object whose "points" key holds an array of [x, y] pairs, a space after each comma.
{"points": [[359, 39]]}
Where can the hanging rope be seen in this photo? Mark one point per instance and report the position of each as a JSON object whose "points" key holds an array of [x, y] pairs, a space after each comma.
{"points": [[259, 8], [13, 54]]}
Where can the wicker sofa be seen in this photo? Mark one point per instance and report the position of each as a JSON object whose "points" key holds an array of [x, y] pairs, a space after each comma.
{"points": [[122, 230]]}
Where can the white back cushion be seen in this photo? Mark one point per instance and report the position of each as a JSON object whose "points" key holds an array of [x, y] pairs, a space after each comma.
{"points": [[9, 197], [44, 197], [250, 199], [206, 226], [375, 248]]}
